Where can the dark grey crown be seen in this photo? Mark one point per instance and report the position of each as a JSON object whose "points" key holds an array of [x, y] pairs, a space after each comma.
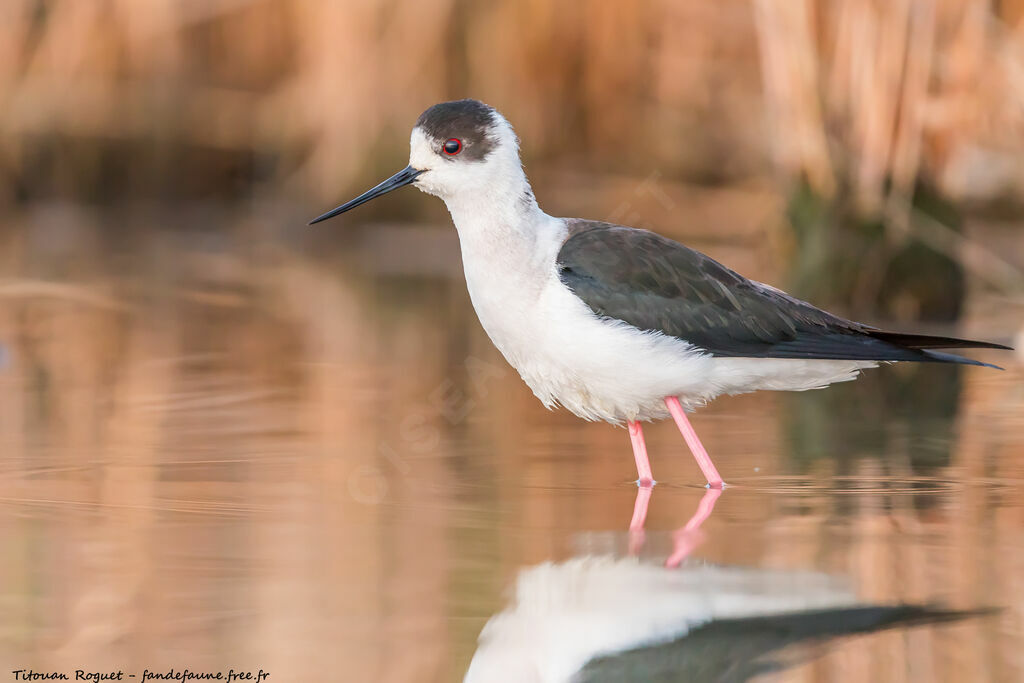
{"points": [[467, 120]]}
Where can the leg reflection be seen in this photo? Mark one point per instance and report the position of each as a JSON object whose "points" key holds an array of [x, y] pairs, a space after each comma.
{"points": [[685, 539], [690, 536], [636, 525]]}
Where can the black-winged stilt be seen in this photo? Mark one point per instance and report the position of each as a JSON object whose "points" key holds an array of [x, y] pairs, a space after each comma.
{"points": [[615, 323]]}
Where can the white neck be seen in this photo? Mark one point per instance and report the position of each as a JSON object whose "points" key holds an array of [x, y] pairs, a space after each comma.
{"points": [[504, 210], [509, 247], [501, 228]]}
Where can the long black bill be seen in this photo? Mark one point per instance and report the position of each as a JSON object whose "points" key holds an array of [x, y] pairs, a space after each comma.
{"points": [[403, 177]]}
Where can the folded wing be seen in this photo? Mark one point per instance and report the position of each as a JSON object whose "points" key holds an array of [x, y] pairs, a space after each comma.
{"points": [[657, 284]]}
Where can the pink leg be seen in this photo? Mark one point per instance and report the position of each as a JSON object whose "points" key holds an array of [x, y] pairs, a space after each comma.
{"points": [[643, 500], [696, 447], [689, 537], [643, 465]]}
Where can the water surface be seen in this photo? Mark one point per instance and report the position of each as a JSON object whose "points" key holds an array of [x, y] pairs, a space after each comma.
{"points": [[224, 454]]}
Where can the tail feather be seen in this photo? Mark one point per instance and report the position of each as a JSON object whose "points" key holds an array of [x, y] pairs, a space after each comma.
{"points": [[940, 357]]}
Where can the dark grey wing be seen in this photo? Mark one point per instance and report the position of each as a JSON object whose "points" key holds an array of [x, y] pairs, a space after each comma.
{"points": [[656, 284]]}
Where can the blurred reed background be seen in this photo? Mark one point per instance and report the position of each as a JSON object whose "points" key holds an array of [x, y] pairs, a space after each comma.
{"points": [[202, 451], [226, 98], [859, 116]]}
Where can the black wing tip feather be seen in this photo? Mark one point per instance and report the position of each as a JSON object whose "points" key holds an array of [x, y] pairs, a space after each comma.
{"points": [[859, 347], [927, 341], [926, 345]]}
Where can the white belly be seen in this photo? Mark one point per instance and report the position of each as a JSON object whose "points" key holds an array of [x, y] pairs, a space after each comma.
{"points": [[607, 370]]}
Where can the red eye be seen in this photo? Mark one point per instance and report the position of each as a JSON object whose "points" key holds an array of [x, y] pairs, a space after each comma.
{"points": [[452, 146]]}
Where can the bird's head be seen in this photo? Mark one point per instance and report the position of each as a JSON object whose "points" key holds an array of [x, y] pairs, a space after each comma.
{"points": [[456, 149]]}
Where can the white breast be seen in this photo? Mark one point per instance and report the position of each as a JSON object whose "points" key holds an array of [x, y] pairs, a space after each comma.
{"points": [[597, 369]]}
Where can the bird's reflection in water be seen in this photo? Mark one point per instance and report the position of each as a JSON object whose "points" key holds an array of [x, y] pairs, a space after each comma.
{"points": [[611, 618]]}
